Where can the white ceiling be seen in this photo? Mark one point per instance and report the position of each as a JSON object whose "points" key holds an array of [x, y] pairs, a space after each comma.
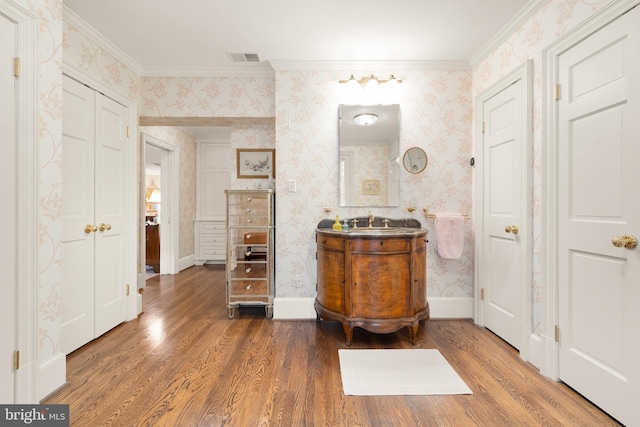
{"points": [[199, 34]]}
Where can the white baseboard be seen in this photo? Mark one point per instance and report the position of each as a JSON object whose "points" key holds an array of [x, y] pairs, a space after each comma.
{"points": [[549, 357], [186, 262], [52, 375], [294, 308], [441, 308], [535, 349], [451, 308]]}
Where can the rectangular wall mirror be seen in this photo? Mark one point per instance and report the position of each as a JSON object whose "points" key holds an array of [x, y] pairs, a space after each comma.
{"points": [[369, 168]]}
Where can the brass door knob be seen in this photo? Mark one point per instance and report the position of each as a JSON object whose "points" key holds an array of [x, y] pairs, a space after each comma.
{"points": [[511, 229], [89, 228], [625, 241], [104, 226]]}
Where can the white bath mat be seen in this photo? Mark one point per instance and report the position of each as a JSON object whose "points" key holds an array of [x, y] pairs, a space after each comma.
{"points": [[398, 372]]}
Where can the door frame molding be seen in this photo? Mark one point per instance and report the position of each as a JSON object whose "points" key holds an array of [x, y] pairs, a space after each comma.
{"points": [[174, 205], [524, 74], [550, 309], [27, 378]]}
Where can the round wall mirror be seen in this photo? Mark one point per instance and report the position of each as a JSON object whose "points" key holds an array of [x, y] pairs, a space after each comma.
{"points": [[415, 160]]}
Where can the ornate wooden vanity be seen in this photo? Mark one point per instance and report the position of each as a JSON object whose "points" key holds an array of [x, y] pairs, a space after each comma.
{"points": [[373, 277]]}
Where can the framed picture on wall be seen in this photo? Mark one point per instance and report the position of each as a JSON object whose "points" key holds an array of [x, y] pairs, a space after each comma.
{"points": [[256, 163], [371, 186]]}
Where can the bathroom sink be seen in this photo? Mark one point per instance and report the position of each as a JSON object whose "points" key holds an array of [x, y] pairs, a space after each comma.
{"points": [[381, 230]]}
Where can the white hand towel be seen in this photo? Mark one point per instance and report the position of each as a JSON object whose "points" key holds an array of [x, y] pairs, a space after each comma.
{"points": [[449, 235]]}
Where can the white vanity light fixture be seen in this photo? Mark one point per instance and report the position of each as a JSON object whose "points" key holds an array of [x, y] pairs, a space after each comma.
{"points": [[365, 119], [370, 81]]}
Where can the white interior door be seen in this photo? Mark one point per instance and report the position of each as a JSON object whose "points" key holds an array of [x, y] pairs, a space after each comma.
{"points": [[8, 223], [110, 240], [599, 283], [94, 249], [78, 228], [502, 248]]}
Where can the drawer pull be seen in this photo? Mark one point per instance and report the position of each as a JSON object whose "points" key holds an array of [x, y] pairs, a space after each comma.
{"points": [[248, 253], [248, 209], [248, 270], [249, 287], [249, 221], [247, 236]]}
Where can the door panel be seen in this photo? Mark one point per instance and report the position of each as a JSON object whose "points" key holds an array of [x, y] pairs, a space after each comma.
{"points": [[502, 200], [77, 301], [111, 248], [598, 130]]}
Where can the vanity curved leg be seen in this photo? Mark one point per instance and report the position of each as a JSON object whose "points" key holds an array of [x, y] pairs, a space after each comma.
{"points": [[232, 311], [348, 332], [413, 332]]}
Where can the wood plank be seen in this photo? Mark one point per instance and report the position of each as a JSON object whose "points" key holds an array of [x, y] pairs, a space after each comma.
{"points": [[184, 363], [205, 121]]}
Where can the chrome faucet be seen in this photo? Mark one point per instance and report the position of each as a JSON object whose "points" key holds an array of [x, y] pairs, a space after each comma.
{"points": [[371, 218]]}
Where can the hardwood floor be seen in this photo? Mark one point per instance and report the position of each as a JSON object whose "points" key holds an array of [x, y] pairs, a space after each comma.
{"points": [[183, 363]]}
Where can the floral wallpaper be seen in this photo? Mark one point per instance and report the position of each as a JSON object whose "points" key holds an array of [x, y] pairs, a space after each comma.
{"points": [[436, 115], [94, 61], [187, 181], [207, 97], [553, 20]]}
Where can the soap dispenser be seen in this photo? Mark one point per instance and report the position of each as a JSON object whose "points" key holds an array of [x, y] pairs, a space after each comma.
{"points": [[337, 225]]}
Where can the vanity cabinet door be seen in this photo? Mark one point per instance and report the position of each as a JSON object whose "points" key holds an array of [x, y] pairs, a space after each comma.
{"points": [[381, 285], [331, 292], [420, 275]]}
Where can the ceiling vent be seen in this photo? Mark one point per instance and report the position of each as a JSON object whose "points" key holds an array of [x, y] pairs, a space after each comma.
{"points": [[244, 57]]}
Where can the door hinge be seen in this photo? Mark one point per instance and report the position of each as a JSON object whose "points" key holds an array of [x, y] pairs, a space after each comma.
{"points": [[127, 290], [16, 67], [127, 131], [557, 94], [482, 294], [16, 360], [557, 333], [482, 127]]}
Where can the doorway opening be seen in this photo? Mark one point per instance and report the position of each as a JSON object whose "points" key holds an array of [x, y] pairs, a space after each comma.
{"points": [[159, 184]]}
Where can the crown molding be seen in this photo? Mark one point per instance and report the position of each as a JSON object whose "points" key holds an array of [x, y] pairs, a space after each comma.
{"points": [[262, 69], [525, 14], [371, 65], [71, 18]]}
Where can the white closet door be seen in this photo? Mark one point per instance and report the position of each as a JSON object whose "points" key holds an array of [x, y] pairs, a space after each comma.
{"points": [[94, 251], [78, 235], [110, 246]]}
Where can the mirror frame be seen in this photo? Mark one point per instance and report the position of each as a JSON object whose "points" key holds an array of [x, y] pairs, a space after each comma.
{"points": [[416, 166]]}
